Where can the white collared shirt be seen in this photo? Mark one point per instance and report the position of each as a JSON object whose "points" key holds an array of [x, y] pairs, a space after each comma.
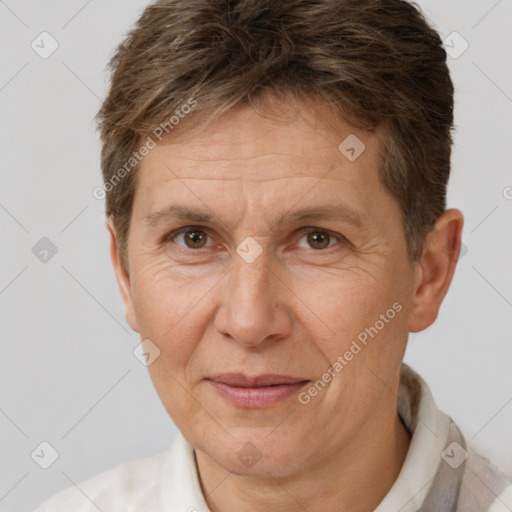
{"points": [[168, 481]]}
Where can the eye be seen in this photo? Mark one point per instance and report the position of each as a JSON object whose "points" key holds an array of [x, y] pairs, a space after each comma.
{"points": [[191, 238], [195, 238], [319, 239]]}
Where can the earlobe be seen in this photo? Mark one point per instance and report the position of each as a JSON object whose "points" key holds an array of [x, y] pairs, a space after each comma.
{"points": [[437, 267], [122, 276]]}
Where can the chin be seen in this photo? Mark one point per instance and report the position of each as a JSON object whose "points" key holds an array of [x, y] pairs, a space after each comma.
{"points": [[251, 452]]}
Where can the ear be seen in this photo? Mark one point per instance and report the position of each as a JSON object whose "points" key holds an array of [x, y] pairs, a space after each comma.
{"points": [[436, 268], [122, 277]]}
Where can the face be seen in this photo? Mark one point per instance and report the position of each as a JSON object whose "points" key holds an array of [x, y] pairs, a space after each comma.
{"points": [[258, 247]]}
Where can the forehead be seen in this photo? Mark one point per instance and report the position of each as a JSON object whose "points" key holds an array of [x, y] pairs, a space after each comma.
{"points": [[310, 154], [241, 144]]}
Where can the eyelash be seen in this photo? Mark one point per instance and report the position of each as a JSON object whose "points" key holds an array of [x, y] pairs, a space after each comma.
{"points": [[302, 232]]}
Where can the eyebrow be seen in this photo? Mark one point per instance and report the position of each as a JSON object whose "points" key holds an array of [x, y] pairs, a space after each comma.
{"points": [[338, 212]]}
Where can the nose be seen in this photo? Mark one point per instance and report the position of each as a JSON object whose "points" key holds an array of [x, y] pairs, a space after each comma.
{"points": [[253, 309]]}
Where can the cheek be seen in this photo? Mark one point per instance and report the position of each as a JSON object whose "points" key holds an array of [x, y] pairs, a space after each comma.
{"points": [[347, 302], [171, 314], [363, 353], [162, 294], [366, 318], [168, 311]]}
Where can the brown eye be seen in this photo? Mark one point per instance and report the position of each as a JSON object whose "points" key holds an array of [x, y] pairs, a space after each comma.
{"points": [[192, 238], [318, 240], [195, 239]]}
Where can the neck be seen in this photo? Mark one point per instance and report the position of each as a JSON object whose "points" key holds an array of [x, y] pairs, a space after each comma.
{"points": [[355, 479]]}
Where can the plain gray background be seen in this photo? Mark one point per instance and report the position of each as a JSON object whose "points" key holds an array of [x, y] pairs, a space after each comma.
{"points": [[68, 375]]}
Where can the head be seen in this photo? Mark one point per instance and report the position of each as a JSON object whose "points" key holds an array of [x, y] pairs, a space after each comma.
{"points": [[275, 178]]}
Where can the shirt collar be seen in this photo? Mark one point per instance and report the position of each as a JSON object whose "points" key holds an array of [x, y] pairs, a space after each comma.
{"points": [[429, 428]]}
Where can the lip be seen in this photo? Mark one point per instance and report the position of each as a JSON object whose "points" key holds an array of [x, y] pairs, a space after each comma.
{"points": [[244, 381], [256, 392]]}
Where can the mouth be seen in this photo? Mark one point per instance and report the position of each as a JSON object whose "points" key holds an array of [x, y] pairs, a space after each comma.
{"points": [[256, 392]]}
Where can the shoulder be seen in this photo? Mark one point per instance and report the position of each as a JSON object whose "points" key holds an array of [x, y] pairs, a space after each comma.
{"points": [[484, 486], [129, 486]]}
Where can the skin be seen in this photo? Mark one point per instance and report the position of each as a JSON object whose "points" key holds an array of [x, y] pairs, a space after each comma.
{"points": [[292, 311]]}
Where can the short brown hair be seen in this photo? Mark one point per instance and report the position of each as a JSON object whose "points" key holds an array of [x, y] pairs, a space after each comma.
{"points": [[377, 62]]}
